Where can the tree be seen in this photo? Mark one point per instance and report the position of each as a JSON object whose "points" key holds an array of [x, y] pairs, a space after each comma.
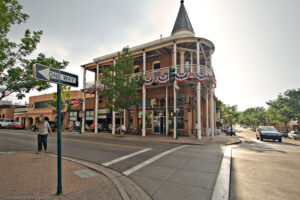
{"points": [[282, 110], [254, 116], [230, 114], [293, 97], [121, 86], [15, 68]]}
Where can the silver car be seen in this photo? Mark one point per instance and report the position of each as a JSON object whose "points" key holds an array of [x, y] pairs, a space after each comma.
{"points": [[294, 135]]}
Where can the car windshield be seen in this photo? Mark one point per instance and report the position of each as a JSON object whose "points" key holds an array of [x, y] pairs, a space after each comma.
{"points": [[268, 129]]}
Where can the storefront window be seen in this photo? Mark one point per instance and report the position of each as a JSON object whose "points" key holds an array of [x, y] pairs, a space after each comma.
{"points": [[89, 115], [148, 118], [73, 116]]}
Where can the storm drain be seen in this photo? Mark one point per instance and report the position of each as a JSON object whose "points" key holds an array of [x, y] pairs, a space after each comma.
{"points": [[85, 173]]}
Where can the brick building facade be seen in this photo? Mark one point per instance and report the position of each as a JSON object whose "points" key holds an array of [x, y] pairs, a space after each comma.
{"points": [[190, 56]]}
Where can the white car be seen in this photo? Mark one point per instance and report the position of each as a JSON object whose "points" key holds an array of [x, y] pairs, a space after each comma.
{"points": [[294, 135]]}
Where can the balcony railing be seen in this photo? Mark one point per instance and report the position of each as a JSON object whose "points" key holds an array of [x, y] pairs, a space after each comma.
{"points": [[165, 70]]}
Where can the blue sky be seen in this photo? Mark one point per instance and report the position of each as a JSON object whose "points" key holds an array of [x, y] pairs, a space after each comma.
{"points": [[257, 41]]}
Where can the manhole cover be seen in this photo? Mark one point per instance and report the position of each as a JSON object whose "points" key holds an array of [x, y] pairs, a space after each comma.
{"points": [[85, 173]]}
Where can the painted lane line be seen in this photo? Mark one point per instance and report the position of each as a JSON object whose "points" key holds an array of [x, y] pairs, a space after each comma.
{"points": [[221, 190], [125, 157], [147, 162]]}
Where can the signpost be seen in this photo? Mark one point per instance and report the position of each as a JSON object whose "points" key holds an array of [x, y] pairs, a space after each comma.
{"points": [[49, 74], [59, 77]]}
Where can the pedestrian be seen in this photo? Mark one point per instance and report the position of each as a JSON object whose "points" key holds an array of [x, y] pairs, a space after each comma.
{"points": [[71, 125], [77, 125], [43, 131]]}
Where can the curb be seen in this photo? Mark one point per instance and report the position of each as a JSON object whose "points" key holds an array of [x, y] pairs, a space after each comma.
{"points": [[222, 187], [126, 187]]}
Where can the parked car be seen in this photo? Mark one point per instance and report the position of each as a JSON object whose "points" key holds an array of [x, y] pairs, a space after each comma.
{"points": [[15, 125], [294, 135], [284, 134], [230, 131], [244, 126], [268, 132], [5, 122]]}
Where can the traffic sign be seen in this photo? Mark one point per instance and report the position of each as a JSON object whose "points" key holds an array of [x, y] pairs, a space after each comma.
{"points": [[49, 74]]}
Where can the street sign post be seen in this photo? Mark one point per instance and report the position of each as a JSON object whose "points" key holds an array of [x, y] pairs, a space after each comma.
{"points": [[49, 74]]}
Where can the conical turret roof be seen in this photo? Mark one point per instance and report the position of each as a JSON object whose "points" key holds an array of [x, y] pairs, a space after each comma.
{"points": [[182, 21]]}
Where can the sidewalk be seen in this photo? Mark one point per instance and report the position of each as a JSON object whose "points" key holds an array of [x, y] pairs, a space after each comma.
{"points": [[218, 139], [26, 175]]}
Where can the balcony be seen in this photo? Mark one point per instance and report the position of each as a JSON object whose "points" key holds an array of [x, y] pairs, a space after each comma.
{"points": [[165, 70]]}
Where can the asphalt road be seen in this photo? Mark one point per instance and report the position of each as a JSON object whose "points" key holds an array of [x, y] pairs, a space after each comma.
{"points": [[163, 170], [265, 170]]}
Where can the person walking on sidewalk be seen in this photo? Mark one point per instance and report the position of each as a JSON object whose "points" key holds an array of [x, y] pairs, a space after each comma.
{"points": [[77, 125], [43, 131], [71, 125]]}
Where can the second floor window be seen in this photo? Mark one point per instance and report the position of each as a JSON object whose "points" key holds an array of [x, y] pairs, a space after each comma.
{"points": [[42, 104], [156, 65]]}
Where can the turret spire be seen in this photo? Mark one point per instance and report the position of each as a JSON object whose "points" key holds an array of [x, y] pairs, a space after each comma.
{"points": [[182, 22]]}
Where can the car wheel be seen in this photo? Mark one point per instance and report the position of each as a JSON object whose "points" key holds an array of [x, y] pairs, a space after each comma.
{"points": [[279, 140]]}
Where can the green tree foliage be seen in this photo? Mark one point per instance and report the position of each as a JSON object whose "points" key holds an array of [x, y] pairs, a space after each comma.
{"points": [[254, 116], [293, 97], [65, 93], [230, 114], [15, 67], [281, 110], [121, 87]]}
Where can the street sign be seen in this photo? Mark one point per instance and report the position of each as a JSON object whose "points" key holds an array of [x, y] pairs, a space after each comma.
{"points": [[81, 114], [49, 74]]}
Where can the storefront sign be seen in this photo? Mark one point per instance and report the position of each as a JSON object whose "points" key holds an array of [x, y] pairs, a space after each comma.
{"points": [[72, 101]]}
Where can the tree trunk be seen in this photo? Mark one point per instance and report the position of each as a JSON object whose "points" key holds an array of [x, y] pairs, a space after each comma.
{"points": [[287, 129]]}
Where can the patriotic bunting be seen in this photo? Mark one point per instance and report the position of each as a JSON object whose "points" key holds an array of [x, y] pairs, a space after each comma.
{"points": [[91, 89], [163, 79], [101, 87], [149, 81], [182, 77], [200, 76], [212, 78]]}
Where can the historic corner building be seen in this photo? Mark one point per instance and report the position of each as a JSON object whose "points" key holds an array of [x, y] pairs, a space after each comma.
{"points": [[194, 84]]}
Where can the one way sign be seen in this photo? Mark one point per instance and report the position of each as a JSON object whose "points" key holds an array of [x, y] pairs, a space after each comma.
{"points": [[53, 75]]}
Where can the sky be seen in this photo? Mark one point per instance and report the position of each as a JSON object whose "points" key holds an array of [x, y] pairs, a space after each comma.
{"points": [[256, 42]]}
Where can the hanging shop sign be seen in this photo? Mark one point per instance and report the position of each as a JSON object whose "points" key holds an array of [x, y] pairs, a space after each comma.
{"points": [[72, 102]]}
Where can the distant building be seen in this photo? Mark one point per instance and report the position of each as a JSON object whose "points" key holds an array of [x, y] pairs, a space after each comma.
{"points": [[39, 106], [6, 110], [191, 58]]}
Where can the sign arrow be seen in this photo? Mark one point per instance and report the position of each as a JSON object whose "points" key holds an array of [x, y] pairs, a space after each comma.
{"points": [[45, 73], [49, 74]]}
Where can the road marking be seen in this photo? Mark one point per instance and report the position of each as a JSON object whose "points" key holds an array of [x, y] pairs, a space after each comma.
{"points": [[147, 162], [125, 157], [108, 144], [221, 190]]}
